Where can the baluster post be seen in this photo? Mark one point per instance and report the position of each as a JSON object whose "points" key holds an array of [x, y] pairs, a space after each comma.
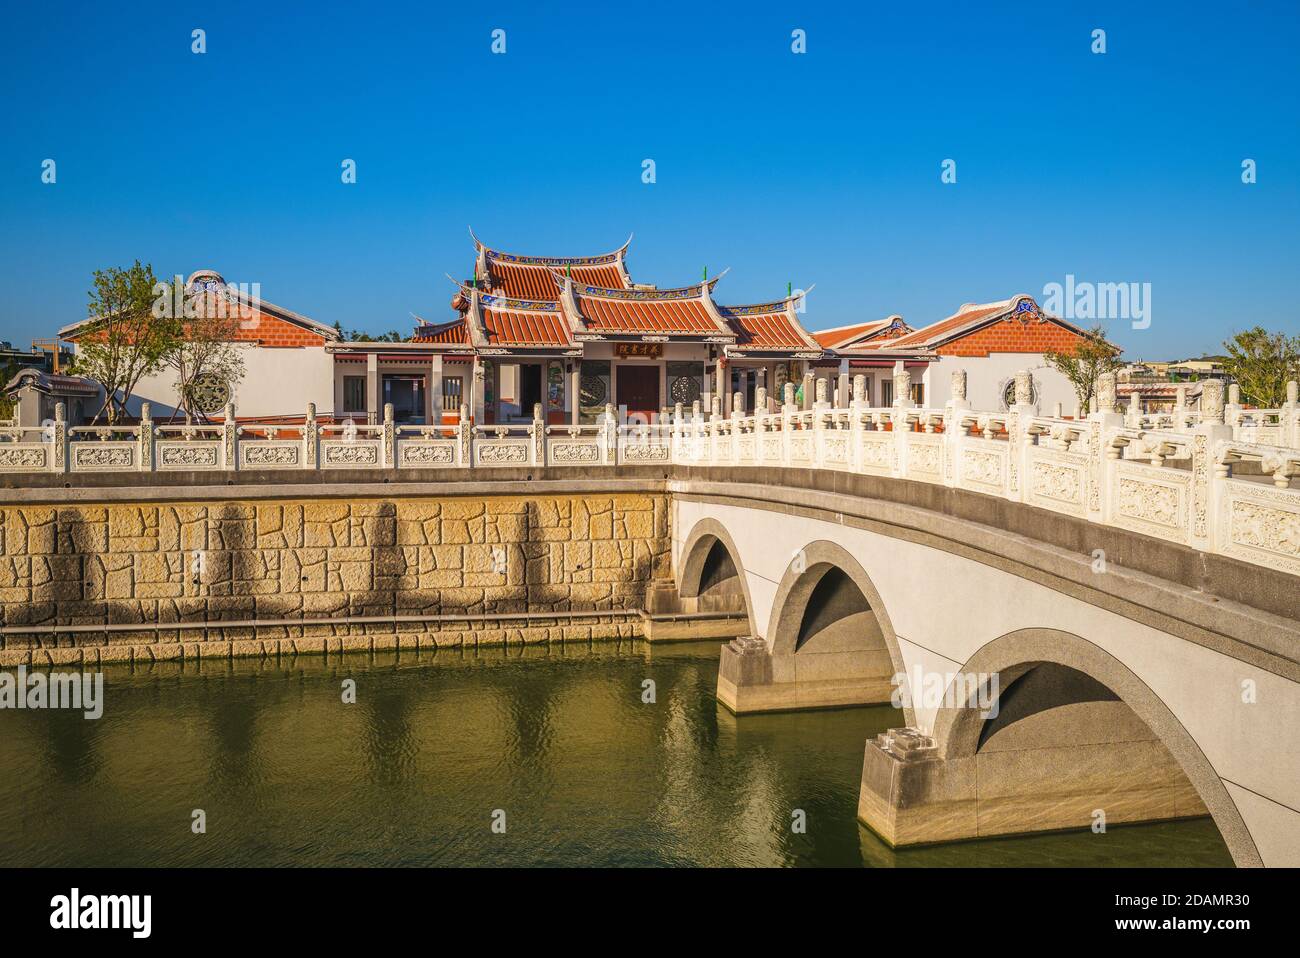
{"points": [[144, 437], [230, 438], [539, 436], [390, 437], [610, 431], [59, 454], [310, 438], [465, 437]]}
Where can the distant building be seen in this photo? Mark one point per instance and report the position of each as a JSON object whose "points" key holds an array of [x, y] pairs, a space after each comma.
{"points": [[286, 365], [575, 334], [35, 394], [990, 341]]}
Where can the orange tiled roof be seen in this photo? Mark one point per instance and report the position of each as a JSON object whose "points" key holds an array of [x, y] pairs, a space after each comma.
{"points": [[533, 277], [863, 334], [767, 326], [519, 281], [969, 315], [454, 333], [842, 334], [664, 312], [509, 322]]}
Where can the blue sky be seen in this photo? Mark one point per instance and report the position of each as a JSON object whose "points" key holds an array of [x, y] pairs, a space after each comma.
{"points": [[815, 168]]}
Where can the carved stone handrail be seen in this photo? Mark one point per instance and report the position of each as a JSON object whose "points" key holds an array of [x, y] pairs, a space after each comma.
{"points": [[1173, 482]]}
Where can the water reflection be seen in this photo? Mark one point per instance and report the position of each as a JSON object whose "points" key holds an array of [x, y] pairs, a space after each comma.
{"points": [[560, 739]]}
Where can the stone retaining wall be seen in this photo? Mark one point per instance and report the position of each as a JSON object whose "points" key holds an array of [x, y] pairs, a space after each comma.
{"points": [[126, 563]]}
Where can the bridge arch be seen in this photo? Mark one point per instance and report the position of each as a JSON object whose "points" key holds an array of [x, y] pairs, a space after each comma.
{"points": [[827, 605], [711, 570], [1074, 670]]}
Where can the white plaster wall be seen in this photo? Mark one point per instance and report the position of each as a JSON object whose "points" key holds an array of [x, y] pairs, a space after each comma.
{"points": [[277, 382], [986, 377], [944, 608]]}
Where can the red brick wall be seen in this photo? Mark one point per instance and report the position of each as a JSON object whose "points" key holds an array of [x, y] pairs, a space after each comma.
{"points": [[1012, 336], [272, 331], [267, 330]]}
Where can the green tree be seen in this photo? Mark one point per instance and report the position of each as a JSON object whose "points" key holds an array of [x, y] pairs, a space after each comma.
{"points": [[1084, 364], [8, 407], [1261, 362], [203, 352], [124, 340]]}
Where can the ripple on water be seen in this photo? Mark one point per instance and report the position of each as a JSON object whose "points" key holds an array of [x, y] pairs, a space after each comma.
{"points": [[560, 741]]}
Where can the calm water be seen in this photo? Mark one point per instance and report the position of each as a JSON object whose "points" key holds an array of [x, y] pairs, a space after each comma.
{"points": [[411, 774]]}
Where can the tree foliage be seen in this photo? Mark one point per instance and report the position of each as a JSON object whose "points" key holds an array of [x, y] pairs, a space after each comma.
{"points": [[123, 341], [1262, 362], [203, 332], [1084, 364]]}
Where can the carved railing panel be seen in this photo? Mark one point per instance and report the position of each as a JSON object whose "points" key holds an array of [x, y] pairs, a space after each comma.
{"points": [[1168, 475]]}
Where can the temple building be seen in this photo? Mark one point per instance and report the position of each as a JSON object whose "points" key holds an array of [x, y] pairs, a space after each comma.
{"points": [[575, 334], [990, 341]]}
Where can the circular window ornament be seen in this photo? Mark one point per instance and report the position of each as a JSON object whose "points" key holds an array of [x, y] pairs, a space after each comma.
{"points": [[593, 391], [684, 390], [209, 393]]}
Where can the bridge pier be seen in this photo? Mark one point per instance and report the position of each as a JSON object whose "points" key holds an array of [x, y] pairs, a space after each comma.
{"points": [[1062, 752], [753, 679], [711, 614]]}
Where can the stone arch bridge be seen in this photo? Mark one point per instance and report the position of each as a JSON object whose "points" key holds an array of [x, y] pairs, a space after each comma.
{"points": [[1124, 582], [1138, 681]]}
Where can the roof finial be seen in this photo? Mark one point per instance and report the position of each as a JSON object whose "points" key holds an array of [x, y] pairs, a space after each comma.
{"points": [[789, 289], [706, 274]]}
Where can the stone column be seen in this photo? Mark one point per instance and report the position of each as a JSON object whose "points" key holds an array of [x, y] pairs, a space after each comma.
{"points": [[146, 437], [760, 401], [435, 390], [860, 390], [59, 458], [823, 392], [787, 398], [310, 437], [1133, 414], [1105, 395], [1232, 412], [959, 387], [842, 396], [1208, 480], [575, 392], [478, 382], [372, 388], [1212, 407], [1290, 418], [1024, 391], [390, 437], [808, 387], [609, 430], [902, 387], [465, 436], [539, 435], [230, 439]]}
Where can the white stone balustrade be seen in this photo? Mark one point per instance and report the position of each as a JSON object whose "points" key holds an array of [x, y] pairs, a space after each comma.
{"points": [[1169, 476]]}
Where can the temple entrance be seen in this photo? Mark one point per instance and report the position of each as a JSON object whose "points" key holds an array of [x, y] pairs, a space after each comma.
{"points": [[530, 389], [406, 393], [638, 391]]}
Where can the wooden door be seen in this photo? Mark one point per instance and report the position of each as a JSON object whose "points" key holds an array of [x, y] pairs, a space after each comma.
{"points": [[638, 390]]}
